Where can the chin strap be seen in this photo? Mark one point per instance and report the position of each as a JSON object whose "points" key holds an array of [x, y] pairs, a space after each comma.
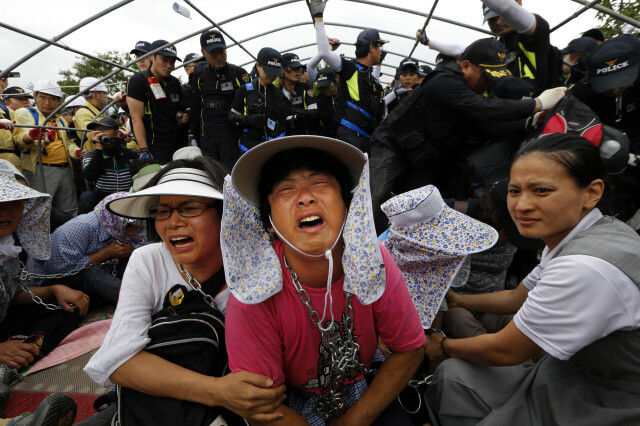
{"points": [[327, 255]]}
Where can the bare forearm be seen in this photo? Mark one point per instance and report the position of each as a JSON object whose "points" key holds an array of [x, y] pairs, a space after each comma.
{"points": [[500, 303], [289, 418], [141, 373], [23, 298], [391, 379], [139, 131], [100, 255]]}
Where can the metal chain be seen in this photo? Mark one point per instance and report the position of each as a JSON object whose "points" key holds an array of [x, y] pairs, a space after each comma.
{"points": [[24, 276], [343, 353], [193, 282]]}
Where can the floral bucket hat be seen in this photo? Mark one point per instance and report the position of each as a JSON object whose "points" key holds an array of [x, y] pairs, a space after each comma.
{"points": [[33, 230], [252, 268], [116, 225], [429, 242]]}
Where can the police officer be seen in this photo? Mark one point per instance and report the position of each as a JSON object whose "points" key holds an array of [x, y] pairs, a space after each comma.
{"points": [[575, 58], [327, 84], [190, 60], [359, 104], [408, 77], [215, 83], [259, 108], [141, 48], [154, 100], [302, 101]]}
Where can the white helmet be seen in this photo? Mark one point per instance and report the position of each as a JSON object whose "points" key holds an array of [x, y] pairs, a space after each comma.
{"points": [[90, 81], [77, 102], [49, 87]]}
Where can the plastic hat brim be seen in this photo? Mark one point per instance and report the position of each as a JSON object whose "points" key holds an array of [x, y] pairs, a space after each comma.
{"points": [[246, 172]]}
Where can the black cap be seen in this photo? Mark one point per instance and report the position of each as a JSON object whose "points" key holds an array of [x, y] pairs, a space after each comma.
{"points": [[271, 61], [487, 13], [15, 92], [514, 88], [325, 77], [191, 57], [212, 39], [489, 55], [291, 60], [594, 33], [169, 51], [142, 47], [408, 65], [612, 65], [581, 45], [104, 122], [370, 36], [498, 197], [424, 70]]}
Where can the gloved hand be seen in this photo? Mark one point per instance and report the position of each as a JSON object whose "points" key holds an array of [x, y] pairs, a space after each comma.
{"points": [[422, 37], [255, 120], [383, 54], [317, 7], [80, 153], [120, 98], [6, 124], [334, 43], [400, 91], [35, 133], [538, 117], [145, 154], [550, 97], [124, 135], [49, 137]]}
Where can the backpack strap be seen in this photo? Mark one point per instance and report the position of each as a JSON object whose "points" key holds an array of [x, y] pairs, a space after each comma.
{"points": [[34, 113], [5, 110]]}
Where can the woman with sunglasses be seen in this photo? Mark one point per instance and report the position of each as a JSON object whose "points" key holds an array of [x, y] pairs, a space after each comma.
{"points": [[581, 305], [184, 201]]}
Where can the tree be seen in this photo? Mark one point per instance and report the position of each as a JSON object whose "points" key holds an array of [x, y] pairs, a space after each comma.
{"points": [[612, 26], [86, 67]]}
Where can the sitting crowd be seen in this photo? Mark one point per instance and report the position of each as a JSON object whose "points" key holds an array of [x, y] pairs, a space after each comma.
{"points": [[312, 258]]}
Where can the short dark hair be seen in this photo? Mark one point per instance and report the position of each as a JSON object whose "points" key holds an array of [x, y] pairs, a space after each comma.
{"points": [[579, 157], [362, 50], [215, 170], [280, 165]]}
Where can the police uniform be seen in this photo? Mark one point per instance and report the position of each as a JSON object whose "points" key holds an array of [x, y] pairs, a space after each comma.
{"points": [[304, 110], [213, 93], [164, 134]]}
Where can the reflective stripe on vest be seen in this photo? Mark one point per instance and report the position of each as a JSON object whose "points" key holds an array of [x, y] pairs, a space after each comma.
{"points": [[525, 72]]}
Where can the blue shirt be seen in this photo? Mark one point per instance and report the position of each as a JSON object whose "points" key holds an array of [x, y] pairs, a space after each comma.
{"points": [[72, 243]]}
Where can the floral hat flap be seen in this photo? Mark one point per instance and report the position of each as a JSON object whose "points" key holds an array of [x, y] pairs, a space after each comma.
{"points": [[251, 265], [33, 230], [429, 242]]}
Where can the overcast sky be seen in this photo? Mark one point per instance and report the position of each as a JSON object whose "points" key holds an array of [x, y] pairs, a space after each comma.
{"points": [[155, 19]]}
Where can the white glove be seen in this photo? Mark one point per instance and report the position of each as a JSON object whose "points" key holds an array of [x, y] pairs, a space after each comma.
{"points": [[120, 97], [6, 124], [400, 91], [536, 119], [317, 7], [550, 97]]}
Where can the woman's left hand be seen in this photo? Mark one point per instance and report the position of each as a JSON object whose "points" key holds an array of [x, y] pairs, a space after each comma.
{"points": [[65, 296]]}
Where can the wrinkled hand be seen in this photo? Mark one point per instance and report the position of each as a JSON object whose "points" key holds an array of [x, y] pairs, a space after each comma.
{"points": [[317, 7], [16, 354], [251, 396], [453, 300], [120, 251], [145, 154], [65, 296], [550, 97], [422, 37], [6, 124]]}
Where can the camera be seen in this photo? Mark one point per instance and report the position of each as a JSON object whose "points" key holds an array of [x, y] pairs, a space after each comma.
{"points": [[12, 74], [106, 140]]}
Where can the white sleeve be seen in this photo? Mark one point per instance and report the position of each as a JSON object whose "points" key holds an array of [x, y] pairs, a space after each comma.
{"points": [[312, 71], [331, 58], [449, 49], [128, 334], [376, 71], [391, 96], [530, 280], [577, 300], [513, 14]]}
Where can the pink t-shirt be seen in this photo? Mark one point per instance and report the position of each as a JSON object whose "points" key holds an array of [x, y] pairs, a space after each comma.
{"points": [[276, 338]]}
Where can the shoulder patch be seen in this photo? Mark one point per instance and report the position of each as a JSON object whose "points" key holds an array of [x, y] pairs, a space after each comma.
{"points": [[310, 92], [246, 78], [249, 86]]}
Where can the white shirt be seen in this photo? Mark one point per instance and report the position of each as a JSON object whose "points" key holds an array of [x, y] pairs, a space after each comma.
{"points": [[149, 276], [576, 300]]}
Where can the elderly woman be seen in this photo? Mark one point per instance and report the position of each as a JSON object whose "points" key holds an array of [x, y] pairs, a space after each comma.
{"points": [[27, 328], [90, 239], [294, 317], [581, 305], [184, 201]]}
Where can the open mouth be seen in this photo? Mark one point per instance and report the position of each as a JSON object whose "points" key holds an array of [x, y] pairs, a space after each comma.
{"points": [[310, 221], [180, 242]]}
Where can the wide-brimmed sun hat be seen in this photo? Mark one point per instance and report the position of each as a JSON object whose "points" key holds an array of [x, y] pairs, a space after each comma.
{"points": [[252, 268], [429, 242], [182, 181], [33, 230]]}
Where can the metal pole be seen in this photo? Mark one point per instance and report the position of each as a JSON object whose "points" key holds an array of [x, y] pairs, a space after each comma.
{"points": [[424, 27], [576, 14], [613, 13], [62, 35], [218, 27], [416, 12], [63, 46], [50, 127]]}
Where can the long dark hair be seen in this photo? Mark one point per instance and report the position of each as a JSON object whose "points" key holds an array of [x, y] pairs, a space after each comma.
{"points": [[579, 157]]}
